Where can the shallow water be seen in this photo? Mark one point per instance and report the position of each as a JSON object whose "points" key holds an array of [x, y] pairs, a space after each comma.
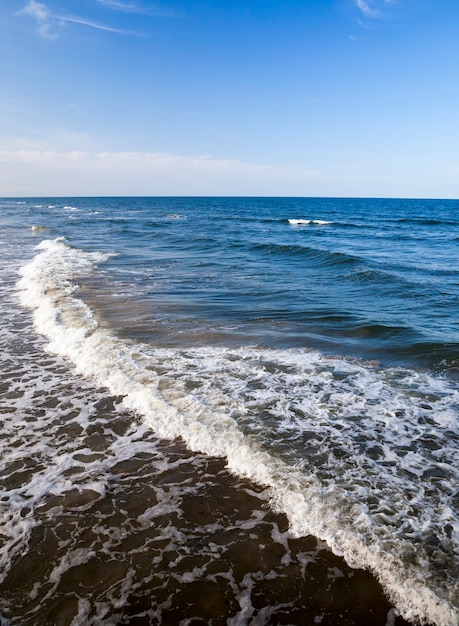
{"points": [[206, 406]]}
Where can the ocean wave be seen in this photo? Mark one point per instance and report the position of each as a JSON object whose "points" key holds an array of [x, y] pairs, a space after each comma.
{"points": [[310, 253], [176, 216], [305, 222], [426, 221], [360, 457]]}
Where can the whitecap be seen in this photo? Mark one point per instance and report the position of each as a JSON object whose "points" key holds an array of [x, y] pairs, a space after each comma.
{"points": [[300, 222], [349, 489], [305, 222]]}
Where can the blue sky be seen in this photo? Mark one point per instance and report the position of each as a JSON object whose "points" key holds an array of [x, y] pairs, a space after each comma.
{"points": [[230, 97]]}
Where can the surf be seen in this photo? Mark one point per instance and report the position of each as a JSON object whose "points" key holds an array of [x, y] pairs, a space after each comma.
{"points": [[224, 402]]}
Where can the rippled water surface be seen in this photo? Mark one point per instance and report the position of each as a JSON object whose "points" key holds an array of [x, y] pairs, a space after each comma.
{"points": [[229, 411]]}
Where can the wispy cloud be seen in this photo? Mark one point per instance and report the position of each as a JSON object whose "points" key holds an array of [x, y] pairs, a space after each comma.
{"points": [[48, 22], [373, 8], [130, 7], [63, 19], [40, 172], [121, 6], [366, 9], [40, 12]]}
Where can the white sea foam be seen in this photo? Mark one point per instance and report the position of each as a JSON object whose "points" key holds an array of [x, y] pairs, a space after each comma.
{"points": [[304, 222], [354, 447]]}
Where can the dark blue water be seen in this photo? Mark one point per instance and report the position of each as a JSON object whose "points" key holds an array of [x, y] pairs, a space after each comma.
{"points": [[312, 344], [371, 278]]}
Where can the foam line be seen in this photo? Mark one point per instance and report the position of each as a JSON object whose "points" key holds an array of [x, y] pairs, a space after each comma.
{"points": [[186, 400]]}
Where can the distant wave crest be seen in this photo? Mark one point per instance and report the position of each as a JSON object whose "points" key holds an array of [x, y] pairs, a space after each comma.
{"points": [[305, 222]]}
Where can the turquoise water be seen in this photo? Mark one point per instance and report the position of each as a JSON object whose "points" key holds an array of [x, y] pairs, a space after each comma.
{"points": [[308, 346]]}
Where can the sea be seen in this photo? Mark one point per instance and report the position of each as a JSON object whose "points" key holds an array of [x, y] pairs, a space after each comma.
{"points": [[229, 411]]}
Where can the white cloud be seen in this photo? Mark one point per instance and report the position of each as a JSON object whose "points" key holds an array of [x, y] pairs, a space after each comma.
{"points": [[373, 8], [41, 13], [366, 9], [130, 7], [122, 6], [37, 171], [48, 22], [52, 173], [84, 22]]}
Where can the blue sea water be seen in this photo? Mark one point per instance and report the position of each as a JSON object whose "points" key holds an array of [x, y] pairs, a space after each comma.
{"points": [[311, 344]]}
